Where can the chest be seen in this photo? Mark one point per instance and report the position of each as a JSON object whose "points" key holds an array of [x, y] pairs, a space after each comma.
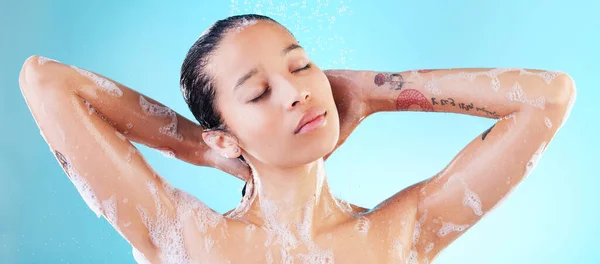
{"points": [[345, 245]]}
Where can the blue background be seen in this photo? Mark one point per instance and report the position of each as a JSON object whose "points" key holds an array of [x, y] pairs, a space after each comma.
{"points": [[551, 218]]}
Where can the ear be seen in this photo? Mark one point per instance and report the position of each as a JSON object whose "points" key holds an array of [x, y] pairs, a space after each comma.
{"points": [[223, 143]]}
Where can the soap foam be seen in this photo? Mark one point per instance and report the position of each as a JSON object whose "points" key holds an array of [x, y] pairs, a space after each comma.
{"points": [[121, 136], [448, 227], [91, 109], [102, 83], [165, 232], [471, 199], [131, 153], [82, 186], [412, 257], [110, 210], [362, 225], [429, 247], [244, 23], [162, 111], [418, 225], [139, 257], [518, 95], [344, 206], [167, 153], [547, 76], [398, 248], [316, 254], [44, 60]]}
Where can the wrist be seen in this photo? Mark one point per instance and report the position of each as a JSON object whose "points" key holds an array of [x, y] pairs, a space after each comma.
{"points": [[192, 147], [377, 95]]}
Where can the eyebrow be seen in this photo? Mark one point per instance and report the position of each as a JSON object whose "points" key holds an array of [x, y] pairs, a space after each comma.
{"points": [[253, 71]]}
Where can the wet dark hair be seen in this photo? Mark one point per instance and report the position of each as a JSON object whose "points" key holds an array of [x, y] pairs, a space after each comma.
{"points": [[197, 86]]}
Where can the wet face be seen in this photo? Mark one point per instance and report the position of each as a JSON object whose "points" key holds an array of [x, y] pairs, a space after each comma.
{"points": [[266, 84]]}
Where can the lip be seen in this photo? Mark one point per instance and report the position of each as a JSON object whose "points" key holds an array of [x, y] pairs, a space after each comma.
{"points": [[309, 116]]}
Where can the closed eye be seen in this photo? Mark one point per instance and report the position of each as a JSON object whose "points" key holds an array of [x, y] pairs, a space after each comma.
{"points": [[267, 90], [308, 66]]}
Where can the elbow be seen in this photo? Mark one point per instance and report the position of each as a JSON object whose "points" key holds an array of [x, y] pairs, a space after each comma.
{"points": [[29, 72], [562, 98], [35, 72], [564, 93]]}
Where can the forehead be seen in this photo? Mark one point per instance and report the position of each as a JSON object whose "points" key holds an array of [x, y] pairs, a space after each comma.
{"points": [[246, 47]]}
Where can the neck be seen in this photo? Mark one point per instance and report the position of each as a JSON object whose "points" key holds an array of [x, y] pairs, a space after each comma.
{"points": [[298, 195]]}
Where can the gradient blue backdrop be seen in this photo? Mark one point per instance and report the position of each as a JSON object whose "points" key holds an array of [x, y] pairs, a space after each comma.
{"points": [[551, 218]]}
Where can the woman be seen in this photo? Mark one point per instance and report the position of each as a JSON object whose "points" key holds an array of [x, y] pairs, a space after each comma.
{"points": [[267, 115]]}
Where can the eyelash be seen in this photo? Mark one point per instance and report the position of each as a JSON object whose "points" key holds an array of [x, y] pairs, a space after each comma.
{"points": [[268, 89]]}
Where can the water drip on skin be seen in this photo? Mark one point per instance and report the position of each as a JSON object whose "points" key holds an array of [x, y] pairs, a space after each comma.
{"points": [[548, 122], [433, 85], [534, 159]]}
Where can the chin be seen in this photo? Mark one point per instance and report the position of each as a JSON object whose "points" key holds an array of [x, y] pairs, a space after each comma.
{"points": [[322, 143]]}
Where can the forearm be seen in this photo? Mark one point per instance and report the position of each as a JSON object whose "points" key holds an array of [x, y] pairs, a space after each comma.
{"points": [[492, 93], [134, 115]]}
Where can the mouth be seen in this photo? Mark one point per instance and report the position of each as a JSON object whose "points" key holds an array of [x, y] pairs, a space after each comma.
{"points": [[311, 120]]}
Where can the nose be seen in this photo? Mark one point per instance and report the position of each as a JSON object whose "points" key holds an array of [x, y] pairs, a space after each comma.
{"points": [[295, 93], [302, 96]]}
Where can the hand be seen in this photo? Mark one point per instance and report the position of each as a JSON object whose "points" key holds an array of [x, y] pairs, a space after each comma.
{"points": [[233, 166], [350, 99], [197, 152]]}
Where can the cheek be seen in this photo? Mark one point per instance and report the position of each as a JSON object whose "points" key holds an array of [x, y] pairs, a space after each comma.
{"points": [[257, 125]]}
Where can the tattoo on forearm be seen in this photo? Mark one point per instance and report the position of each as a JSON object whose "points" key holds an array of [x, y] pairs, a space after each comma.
{"points": [[485, 133], [410, 97], [463, 106], [63, 162], [395, 80]]}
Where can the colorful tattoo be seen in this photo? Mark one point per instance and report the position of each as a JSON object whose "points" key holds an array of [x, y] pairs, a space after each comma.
{"points": [[395, 80], [412, 97]]}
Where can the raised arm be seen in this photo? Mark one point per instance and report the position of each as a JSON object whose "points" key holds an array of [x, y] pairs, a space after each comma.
{"points": [[88, 122], [530, 106]]}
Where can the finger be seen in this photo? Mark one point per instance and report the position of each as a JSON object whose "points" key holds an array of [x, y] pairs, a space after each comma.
{"points": [[232, 166]]}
